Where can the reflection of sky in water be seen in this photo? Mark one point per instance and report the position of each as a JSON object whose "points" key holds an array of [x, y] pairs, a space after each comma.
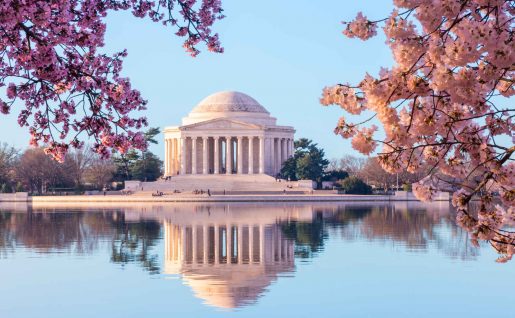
{"points": [[245, 260]]}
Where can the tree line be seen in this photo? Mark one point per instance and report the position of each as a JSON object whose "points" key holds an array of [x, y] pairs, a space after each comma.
{"points": [[356, 175], [33, 171]]}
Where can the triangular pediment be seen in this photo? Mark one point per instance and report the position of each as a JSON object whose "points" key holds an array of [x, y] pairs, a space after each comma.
{"points": [[220, 123]]}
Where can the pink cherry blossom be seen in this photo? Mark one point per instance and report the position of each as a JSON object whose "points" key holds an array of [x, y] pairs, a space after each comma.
{"points": [[443, 107], [60, 84], [360, 28]]}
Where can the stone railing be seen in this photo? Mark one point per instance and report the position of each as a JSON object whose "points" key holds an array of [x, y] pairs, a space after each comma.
{"points": [[409, 196], [14, 197]]}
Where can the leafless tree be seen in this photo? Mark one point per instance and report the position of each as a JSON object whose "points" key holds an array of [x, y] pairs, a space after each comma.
{"points": [[8, 157], [38, 172], [99, 172], [77, 162], [353, 165]]}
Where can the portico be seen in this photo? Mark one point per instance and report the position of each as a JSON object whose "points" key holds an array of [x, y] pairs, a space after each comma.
{"points": [[227, 133]]}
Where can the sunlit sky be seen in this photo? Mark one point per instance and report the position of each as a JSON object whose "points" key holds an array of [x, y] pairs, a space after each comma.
{"points": [[282, 53]]}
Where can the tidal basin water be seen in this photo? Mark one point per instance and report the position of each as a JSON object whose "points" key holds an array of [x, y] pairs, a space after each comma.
{"points": [[247, 260]]}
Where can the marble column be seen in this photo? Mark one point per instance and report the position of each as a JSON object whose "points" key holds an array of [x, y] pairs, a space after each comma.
{"points": [[216, 157], [228, 155], [205, 156], [272, 156], [183, 155], [240, 155], [278, 156], [261, 154], [175, 156], [251, 155], [167, 157], [171, 157], [193, 155], [284, 154]]}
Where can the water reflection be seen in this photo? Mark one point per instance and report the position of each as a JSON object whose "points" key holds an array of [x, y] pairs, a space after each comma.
{"points": [[229, 254]]}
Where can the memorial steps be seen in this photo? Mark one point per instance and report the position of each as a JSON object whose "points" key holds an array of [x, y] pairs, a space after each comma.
{"points": [[244, 184]]}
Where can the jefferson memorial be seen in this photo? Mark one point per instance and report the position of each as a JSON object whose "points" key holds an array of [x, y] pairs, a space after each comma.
{"points": [[227, 133]]}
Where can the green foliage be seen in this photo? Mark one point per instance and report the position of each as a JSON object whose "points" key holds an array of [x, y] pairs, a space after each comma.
{"points": [[335, 175], [308, 162], [406, 187], [19, 187], [150, 135], [148, 168], [289, 169], [142, 165], [6, 188], [124, 164], [354, 185]]}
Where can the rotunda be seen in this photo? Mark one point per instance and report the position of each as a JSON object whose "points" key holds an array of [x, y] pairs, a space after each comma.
{"points": [[227, 133]]}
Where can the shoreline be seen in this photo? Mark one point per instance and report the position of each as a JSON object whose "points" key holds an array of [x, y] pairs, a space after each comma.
{"points": [[217, 198]]}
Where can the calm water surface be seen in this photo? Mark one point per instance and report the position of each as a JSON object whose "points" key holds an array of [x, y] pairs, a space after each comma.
{"points": [[246, 260]]}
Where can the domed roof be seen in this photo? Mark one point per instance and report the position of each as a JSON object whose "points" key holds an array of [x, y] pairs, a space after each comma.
{"points": [[229, 102]]}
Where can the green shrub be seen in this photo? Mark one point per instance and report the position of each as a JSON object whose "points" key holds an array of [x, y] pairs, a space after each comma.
{"points": [[406, 187], [19, 187], [354, 185], [6, 188]]}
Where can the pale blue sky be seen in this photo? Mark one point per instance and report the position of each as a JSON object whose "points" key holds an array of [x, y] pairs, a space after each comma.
{"points": [[282, 53]]}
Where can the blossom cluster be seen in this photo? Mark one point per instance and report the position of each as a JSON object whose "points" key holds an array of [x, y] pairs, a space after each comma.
{"points": [[444, 105], [52, 69]]}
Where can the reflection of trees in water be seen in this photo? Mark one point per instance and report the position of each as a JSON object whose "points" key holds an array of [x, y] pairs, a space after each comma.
{"points": [[133, 242], [309, 237], [6, 237], [81, 233], [416, 229]]}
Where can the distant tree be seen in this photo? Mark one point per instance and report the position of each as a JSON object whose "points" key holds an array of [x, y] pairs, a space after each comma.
{"points": [[135, 162], [375, 175], [6, 188], [124, 163], [100, 172], [39, 173], [335, 175], [148, 168], [353, 165], [308, 162], [77, 163], [354, 185], [289, 169], [8, 158]]}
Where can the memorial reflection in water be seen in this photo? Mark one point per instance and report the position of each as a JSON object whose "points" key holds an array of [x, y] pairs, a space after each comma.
{"points": [[228, 254]]}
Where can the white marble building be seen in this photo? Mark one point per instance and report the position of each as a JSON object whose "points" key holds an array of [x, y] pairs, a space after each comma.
{"points": [[227, 133]]}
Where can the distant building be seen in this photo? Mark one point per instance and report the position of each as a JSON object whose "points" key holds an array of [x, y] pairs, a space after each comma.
{"points": [[227, 133]]}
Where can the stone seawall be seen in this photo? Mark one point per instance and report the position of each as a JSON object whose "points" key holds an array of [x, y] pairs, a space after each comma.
{"points": [[213, 198]]}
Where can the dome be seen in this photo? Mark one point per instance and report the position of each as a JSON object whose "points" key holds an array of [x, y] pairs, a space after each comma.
{"points": [[223, 102]]}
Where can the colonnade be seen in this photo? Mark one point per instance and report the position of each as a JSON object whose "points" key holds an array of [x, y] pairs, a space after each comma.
{"points": [[226, 244], [226, 154]]}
